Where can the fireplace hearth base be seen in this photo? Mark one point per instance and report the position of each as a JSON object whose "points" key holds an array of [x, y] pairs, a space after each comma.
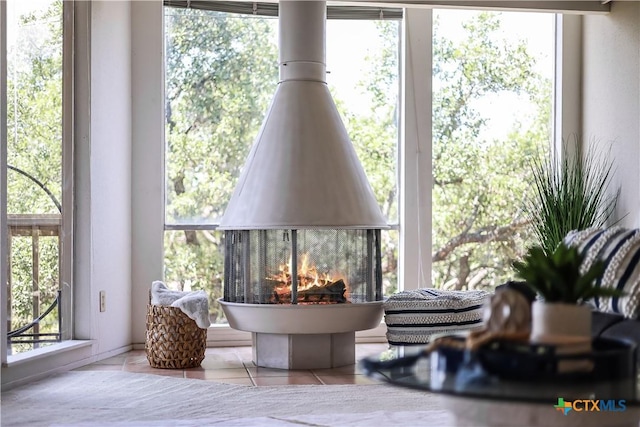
{"points": [[303, 351], [290, 336]]}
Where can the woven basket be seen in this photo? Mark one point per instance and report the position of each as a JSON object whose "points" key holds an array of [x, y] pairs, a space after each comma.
{"points": [[174, 341]]}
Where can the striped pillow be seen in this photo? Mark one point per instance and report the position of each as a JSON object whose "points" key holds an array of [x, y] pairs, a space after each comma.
{"points": [[413, 316], [619, 249]]}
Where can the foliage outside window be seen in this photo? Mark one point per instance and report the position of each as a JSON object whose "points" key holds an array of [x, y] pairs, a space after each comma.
{"points": [[491, 115]]}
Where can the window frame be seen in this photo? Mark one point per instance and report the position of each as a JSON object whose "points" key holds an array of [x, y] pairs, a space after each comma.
{"points": [[3, 182], [66, 238]]}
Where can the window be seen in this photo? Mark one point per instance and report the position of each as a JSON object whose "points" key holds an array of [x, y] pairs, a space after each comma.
{"points": [[364, 79], [211, 121], [38, 229], [492, 99]]}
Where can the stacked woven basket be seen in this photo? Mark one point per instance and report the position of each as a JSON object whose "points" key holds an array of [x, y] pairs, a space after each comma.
{"points": [[174, 341]]}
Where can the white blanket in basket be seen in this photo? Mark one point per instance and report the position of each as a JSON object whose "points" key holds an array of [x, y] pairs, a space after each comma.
{"points": [[194, 304]]}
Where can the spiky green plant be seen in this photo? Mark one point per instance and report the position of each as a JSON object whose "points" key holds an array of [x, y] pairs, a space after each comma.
{"points": [[569, 194], [556, 277]]}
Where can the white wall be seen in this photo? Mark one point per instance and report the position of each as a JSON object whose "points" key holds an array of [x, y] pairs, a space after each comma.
{"points": [[611, 97], [148, 156], [110, 163]]}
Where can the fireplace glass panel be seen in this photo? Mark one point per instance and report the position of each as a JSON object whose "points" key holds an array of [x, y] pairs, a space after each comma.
{"points": [[333, 266]]}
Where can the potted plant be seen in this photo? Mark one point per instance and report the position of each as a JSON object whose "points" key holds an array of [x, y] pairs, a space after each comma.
{"points": [[569, 194], [560, 316]]}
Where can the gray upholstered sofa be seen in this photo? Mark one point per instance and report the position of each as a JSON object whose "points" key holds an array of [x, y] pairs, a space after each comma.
{"points": [[612, 325], [619, 249]]}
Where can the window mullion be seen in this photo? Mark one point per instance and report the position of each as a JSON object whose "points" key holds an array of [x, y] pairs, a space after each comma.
{"points": [[567, 81], [415, 153], [66, 238]]}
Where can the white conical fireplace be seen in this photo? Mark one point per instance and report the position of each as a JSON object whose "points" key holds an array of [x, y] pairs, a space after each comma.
{"points": [[302, 229]]}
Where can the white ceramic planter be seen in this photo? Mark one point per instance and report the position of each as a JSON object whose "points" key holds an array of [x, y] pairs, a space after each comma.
{"points": [[560, 323]]}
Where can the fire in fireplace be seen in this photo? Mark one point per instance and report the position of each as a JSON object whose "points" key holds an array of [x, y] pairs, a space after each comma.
{"points": [[314, 287], [331, 266]]}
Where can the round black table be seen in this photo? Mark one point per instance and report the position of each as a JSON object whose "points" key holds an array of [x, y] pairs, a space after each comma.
{"points": [[508, 391]]}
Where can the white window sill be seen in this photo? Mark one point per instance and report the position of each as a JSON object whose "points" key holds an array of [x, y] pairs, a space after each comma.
{"points": [[33, 365], [50, 350]]}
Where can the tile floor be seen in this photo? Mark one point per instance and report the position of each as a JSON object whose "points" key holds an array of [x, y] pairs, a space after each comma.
{"points": [[233, 365]]}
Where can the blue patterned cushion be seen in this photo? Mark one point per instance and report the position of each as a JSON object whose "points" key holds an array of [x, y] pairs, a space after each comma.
{"points": [[619, 249], [413, 316]]}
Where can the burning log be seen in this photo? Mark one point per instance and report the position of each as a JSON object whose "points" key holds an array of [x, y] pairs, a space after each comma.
{"points": [[334, 292], [302, 279], [314, 287]]}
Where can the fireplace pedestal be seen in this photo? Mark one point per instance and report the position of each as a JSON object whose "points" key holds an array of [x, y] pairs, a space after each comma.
{"points": [[304, 351], [303, 337]]}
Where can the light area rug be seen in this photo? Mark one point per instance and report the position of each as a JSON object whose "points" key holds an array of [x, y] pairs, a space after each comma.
{"points": [[121, 399]]}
